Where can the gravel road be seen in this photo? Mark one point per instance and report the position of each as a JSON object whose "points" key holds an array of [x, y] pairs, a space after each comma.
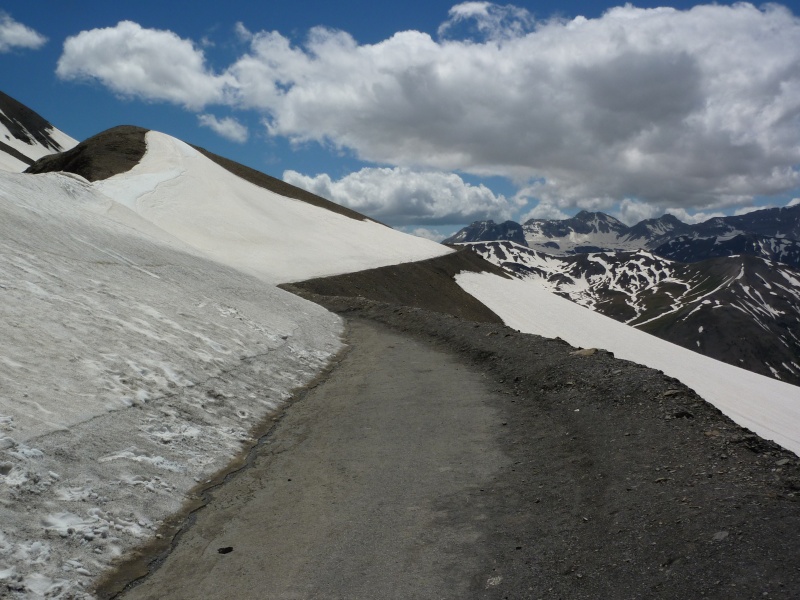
{"points": [[444, 458], [371, 486]]}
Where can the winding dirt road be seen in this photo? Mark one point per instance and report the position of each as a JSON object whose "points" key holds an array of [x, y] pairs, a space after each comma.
{"points": [[443, 458], [371, 486]]}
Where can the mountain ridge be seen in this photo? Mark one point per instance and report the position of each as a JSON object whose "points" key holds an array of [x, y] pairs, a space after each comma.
{"points": [[26, 136], [772, 233]]}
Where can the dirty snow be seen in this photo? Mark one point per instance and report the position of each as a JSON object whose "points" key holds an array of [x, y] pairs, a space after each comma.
{"points": [[129, 371], [136, 362], [768, 407]]}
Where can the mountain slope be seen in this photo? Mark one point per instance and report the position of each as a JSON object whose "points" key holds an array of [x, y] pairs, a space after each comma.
{"points": [[693, 249], [427, 284], [132, 365], [741, 310], [129, 371], [25, 136], [192, 198], [585, 232], [103, 155], [527, 306], [481, 231]]}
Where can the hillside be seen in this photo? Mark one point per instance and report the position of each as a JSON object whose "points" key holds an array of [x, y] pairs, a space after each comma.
{"points": [[25, 136], [150, 352], [741, 310], [134, 366]]}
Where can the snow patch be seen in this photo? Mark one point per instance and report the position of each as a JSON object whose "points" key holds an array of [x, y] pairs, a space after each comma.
{"points": [[768, 407]]}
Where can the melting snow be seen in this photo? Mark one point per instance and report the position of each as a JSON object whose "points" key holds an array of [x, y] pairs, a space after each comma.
{"points": [[33, 150], [130, 371], [768, 407], [132, 366]]}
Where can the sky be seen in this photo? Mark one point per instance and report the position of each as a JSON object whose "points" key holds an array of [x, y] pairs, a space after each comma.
{"points": [[428, 115]]}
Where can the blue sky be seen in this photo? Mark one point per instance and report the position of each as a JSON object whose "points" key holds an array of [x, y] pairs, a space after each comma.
{"points": [[428, 115]]}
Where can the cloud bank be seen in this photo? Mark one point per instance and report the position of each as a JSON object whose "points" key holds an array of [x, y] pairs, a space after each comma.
{"points": [[686, 109], [16, 35], [401, 196]]}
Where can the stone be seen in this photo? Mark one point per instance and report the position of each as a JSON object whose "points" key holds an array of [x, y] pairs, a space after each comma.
{"points": [[584, 352]]}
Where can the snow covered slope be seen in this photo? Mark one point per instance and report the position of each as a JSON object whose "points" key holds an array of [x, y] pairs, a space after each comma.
{"points": [[25, 136], [143, 340], [279, 239], [585, 232], [129, 371], [742, 310], [694, 249], [768, 407]]}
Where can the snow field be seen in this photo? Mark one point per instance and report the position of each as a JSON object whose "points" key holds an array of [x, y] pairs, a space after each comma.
{"points": [[239, 224], [129, 371], [768, 407]]}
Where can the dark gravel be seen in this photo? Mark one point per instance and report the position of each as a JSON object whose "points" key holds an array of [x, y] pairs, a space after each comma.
{"points": [[425, 284], [623, 482]]}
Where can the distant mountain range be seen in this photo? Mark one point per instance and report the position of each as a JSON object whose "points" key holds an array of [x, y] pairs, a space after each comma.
{"points": [[728, 288], [772, 233]]}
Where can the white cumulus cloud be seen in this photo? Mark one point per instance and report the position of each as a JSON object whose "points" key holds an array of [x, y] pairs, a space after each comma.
{"points": [[491, 21], [227, 127], [14, 34], [401, 196], [694, 109], [631, 212], [150, 64], [692, 219], [427, 233], [545, 210]]}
